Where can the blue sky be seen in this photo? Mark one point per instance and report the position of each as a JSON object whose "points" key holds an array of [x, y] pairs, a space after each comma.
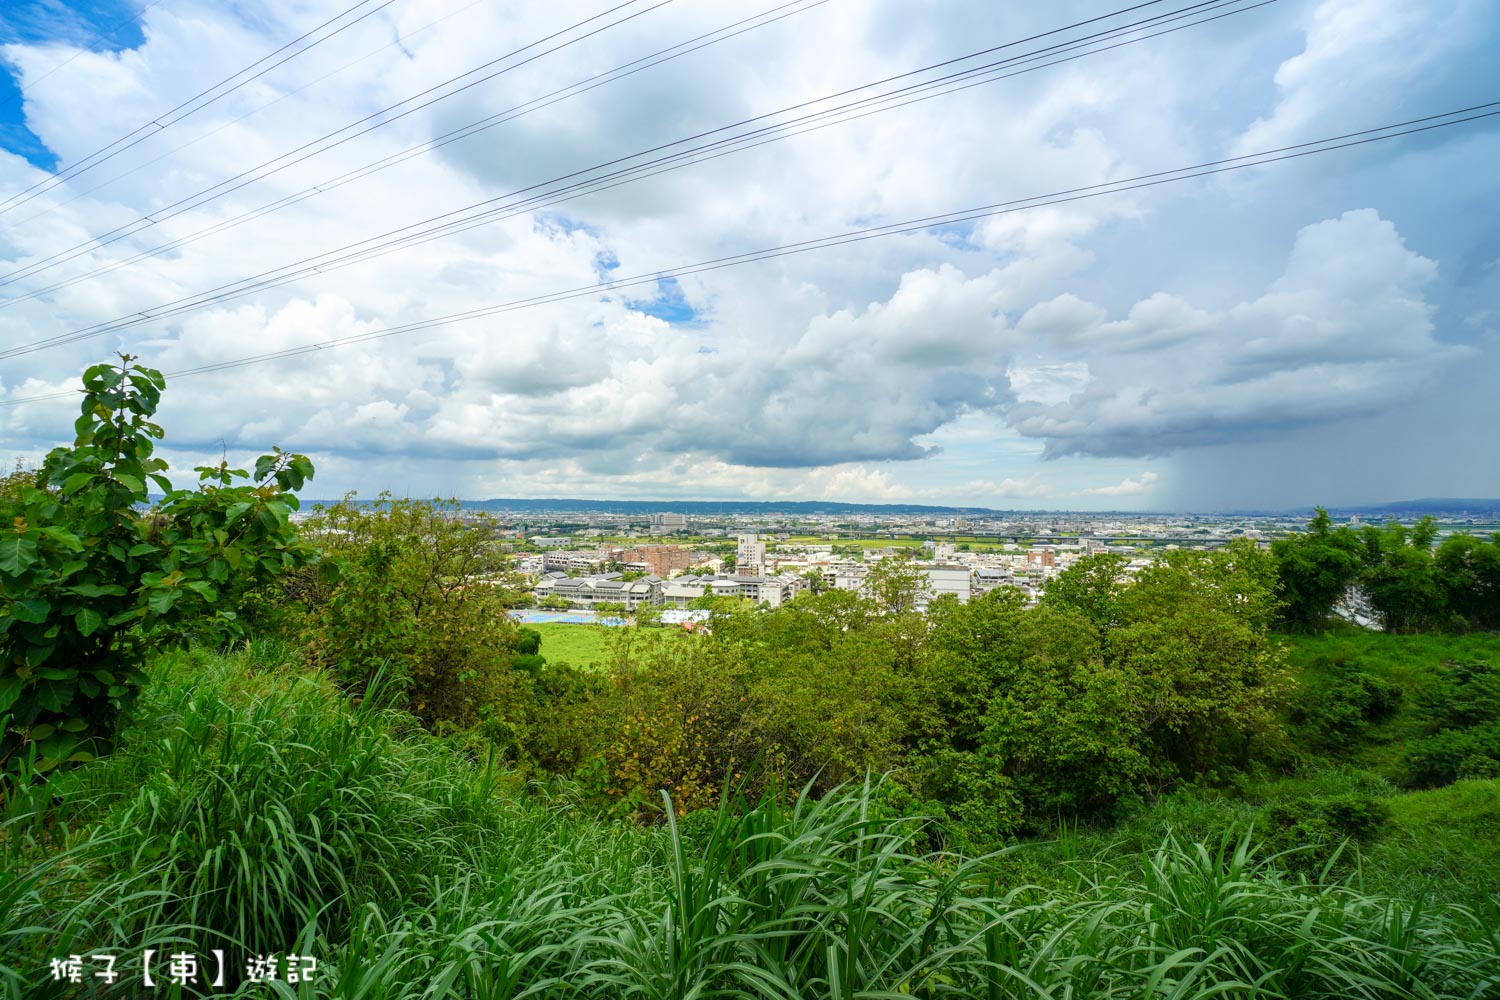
{"points": [[1323, 330], [97, 26]]}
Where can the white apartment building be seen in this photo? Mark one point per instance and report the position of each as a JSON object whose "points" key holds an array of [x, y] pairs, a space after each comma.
{"points": [[751, 555], [954, 580]]}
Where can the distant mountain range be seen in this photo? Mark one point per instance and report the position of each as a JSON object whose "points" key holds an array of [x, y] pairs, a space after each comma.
{"points": [[1438, 507]]}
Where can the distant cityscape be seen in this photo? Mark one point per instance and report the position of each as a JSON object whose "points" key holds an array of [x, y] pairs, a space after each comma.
{"points": [[584, 559]]}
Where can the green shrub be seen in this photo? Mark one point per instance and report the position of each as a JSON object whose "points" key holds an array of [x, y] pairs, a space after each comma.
{"points": [[1311, 830], [409, 603], [1332, 712], [1464, 693], [92, 583], [430, 878], [1444, 757]]}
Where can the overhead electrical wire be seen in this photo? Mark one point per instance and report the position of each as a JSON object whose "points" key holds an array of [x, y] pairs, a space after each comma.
{"points": [[250, 176], [1314, 147], [398, 41], [638, 65], [192, 105], [146, 221], [360, 251]]}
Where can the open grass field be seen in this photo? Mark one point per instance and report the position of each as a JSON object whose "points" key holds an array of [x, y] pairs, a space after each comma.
{"points": [[578, 645], [586, 645]]}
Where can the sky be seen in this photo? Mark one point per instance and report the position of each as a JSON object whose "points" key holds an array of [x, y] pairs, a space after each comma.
{"points": [[1320, 330]]}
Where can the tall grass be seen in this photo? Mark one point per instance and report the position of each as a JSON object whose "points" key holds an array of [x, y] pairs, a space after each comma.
{"points": [[252, 810]]}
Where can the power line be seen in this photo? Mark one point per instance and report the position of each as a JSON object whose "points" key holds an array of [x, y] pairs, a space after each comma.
{"points": [[190, 106], [399, 40], [353, 254], [1347, 140], [328, 261], [147, 221], [656, 58], [245, 178]]}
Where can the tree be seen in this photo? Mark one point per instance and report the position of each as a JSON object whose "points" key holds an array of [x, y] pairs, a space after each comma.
{"points": [[1468, 572], [1017, 717], [1399, 575], [528, 641], [1206, 678], [406, 603], [897, 585], [1315, 569], [93, 582], [1091, 587]]}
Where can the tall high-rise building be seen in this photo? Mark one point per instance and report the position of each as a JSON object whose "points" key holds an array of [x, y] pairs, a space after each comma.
{"points": [[751, 556], [663, 523]]}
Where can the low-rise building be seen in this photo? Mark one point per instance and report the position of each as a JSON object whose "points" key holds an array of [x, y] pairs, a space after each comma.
{"points": [[574, 560], [589, 591], [771, 590], [663, 560], [951, 580], [663, 523]]}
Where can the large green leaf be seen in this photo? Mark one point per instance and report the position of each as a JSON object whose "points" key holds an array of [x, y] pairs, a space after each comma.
{"points": [[16, 553], [10, 690], [54, 695], [33, 610], [88, 621], [161, 600], [76, 482]]}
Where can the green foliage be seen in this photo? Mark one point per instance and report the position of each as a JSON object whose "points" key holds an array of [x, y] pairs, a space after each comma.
{"points": [[528, 641], [1375, 699], [1091, 587], [412, 872], [1018, 718], [807, 692], [1469, 574], [1411, 586], [1338, 703], [1314, 832], [896, 585], [410, 603], [1446, 756], [1443, 843], [1315, 569], [1462, 693], [92, 584], [672, 720], [1399, 576], [1206, 676]]}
